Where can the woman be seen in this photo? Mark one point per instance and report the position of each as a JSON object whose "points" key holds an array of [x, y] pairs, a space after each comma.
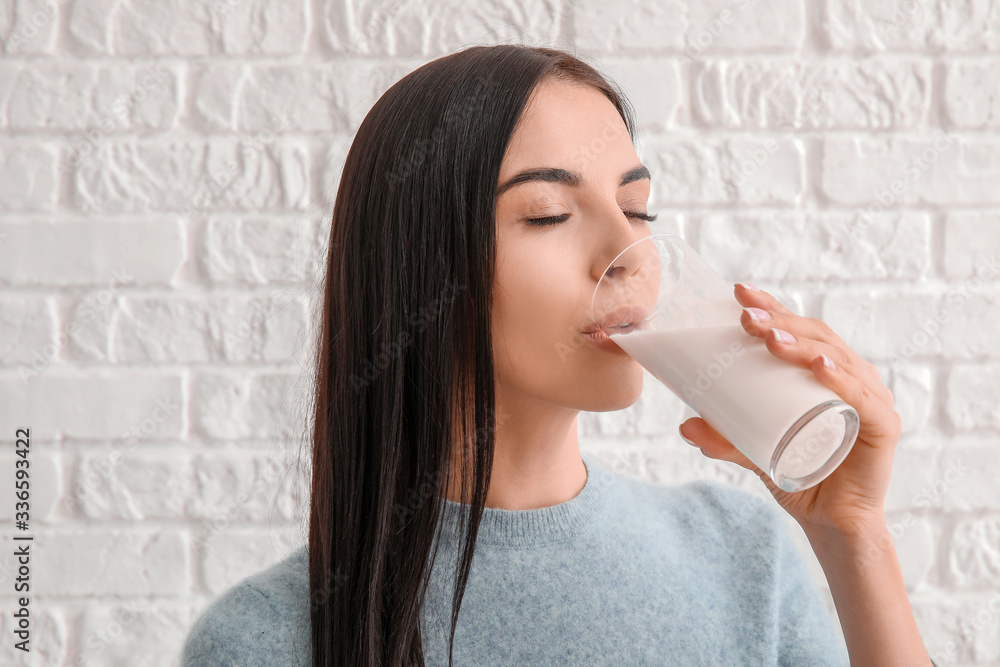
{"points": [[483, 196]]}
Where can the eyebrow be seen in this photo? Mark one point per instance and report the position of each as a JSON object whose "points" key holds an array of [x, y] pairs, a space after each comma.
{"points": [[571, 178]]}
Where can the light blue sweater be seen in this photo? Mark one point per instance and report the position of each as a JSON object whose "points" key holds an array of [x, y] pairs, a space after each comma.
{"points": [[627, 572]]}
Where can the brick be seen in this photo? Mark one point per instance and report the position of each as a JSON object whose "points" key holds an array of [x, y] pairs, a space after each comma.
{"points": [[236, 554], [912, 25], [259, 251], [973, 559], [112, 562], [874, 174], [913, 397], [93, 99], [972, 93], [248, 486], [228, 27], [129, 483], [690, 28], [399, 28], [653, 86], [24, 321], [789, 95], [214, 93], [114, 634], [720, 171], [192, 178], [973, 320], [111, 254], [884, 326], [44, 480], [234, 405], [75, 405], [818, 246], [185, 329], [974, 489], [970, 400], [971, 243], [30, 26], [51, 631], [27, 177], [960, 628]]}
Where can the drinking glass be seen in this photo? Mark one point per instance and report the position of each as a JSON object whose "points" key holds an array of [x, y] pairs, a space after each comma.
{"points": [[666, 307]]}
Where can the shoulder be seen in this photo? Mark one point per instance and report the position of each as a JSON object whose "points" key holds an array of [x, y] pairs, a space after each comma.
{"points": [[708, 505], [262, 620]]}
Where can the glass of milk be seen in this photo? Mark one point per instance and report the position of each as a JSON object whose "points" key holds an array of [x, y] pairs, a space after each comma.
{"points": [[669, 310]]}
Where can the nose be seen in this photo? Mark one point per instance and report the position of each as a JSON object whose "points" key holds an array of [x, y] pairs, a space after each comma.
{"points": [[617, 264]]}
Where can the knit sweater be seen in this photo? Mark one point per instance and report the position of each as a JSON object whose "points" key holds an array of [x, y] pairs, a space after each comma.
{"points": [[627, 572]]}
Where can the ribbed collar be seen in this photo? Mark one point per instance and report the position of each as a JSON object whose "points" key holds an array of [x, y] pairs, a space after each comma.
{"points": [[545, 525]]}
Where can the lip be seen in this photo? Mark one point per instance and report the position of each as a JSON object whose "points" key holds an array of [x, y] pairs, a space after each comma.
{"points": [[601, 340], [611, 322]]}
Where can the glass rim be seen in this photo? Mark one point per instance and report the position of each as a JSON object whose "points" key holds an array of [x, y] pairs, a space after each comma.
{"points": [[660, 236]]}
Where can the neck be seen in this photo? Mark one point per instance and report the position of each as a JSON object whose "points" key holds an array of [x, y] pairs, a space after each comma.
{"points": [[536, 460]]}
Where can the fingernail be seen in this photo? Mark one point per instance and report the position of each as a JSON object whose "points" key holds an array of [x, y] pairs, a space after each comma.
{"points": [[828, 362], [758, 315], [752, 288], [782, 336], [685, 439]]}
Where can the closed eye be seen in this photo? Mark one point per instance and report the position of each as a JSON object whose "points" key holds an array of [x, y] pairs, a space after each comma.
{"points": [[555, 219]]}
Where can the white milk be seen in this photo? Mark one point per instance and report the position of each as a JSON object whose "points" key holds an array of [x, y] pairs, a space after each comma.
{"points": [[747, 394]]}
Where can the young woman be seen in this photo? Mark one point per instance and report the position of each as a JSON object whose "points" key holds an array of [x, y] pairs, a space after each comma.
{"points": [[480, 202]]}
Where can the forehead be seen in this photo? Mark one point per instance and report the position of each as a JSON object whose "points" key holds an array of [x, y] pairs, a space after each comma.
{"points": [[564, 121]]}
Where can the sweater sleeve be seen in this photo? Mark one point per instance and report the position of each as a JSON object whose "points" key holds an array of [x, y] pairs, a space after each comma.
{"points": [[242, 628], [807, 632]]}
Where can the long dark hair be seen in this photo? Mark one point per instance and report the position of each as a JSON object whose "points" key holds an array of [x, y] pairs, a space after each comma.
{"points": [[405, 378]]}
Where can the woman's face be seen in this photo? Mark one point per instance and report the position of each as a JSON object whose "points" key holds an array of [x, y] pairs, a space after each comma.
{"points": [[546, 275]]}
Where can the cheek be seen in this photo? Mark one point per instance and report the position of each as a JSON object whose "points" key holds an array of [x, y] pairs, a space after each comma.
{"points": [[535, 309]]}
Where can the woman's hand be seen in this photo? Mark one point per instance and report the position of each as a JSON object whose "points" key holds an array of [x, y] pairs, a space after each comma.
{"points": [[852, 499]]}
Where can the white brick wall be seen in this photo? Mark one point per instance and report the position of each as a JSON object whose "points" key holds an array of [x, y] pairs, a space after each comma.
{"points": [[167, 170]]}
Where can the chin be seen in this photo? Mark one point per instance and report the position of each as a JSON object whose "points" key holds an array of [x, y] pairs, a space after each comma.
{"points": [[608, 397]]}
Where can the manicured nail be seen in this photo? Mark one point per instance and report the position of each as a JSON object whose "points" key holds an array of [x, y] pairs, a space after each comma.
{"points": [[828, 362], [758, 315], [685, 439], [782, 336], [752, 288]]}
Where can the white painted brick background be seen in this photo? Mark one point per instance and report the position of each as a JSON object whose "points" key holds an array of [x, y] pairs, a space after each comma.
{"points": [[167, 171]]}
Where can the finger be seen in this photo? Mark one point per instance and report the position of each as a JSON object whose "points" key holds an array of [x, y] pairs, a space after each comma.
{"points": [[777, 315], [803, 351], [715, 446], [880, 424], [749, 295]]}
